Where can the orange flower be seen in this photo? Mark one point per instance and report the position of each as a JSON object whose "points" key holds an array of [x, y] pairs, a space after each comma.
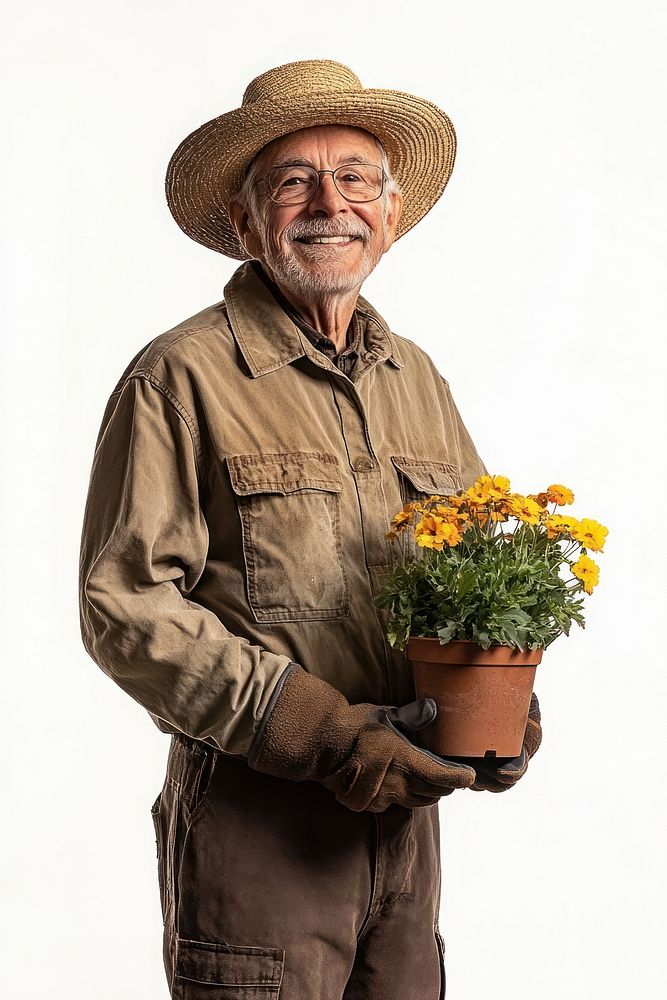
{"points": [[559, 495], [560, 524], [500, 513], [499, 510], [540, 498], [403, 518], [450, 514]]}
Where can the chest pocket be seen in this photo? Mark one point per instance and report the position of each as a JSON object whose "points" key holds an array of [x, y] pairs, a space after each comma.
{"points": [[419, 479], [289, 505]]}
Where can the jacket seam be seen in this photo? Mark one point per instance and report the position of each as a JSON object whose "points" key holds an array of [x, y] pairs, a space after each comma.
{"points": [[190, 332], [175, 402]]}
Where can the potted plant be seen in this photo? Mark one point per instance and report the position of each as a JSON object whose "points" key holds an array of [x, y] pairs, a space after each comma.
{"points": [[476, 611]]}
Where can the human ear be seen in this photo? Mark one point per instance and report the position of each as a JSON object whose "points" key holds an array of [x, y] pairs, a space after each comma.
{"points": [[240, 220], [392, 215]]}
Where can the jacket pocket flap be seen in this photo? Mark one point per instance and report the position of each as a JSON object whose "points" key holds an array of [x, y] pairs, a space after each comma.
{"points": [[429, 477], [284, 472], [228, 964]]}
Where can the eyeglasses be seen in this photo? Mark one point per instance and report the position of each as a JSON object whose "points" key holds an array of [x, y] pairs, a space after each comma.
{"points": [[295, 185]]}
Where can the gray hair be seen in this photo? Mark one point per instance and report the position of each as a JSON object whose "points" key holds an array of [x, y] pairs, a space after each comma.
{"points": [[248, 195]]}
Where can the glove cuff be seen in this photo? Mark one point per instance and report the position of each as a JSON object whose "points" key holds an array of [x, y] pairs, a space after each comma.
{"points": [[298, 737]]}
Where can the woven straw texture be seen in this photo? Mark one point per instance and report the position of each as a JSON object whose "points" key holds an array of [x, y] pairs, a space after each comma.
{"points": [[208, 167]]}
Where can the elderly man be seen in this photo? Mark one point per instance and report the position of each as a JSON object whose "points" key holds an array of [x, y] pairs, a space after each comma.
{"points": [[247, 466]]}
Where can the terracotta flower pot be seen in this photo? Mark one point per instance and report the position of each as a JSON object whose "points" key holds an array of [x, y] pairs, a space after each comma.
{"points": [[483, 696]]}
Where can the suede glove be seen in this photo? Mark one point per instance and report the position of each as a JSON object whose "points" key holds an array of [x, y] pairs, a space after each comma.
{"points": [[498, 778], [309, 731]]}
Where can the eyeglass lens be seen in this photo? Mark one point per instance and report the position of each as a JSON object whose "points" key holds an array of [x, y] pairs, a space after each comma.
{"points": [[294, 184]]}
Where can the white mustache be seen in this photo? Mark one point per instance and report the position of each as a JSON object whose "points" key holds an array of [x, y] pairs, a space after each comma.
{"points": [[318, 227]]}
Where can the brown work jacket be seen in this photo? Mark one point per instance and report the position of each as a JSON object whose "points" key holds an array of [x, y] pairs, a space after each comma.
{"points": [[241, 489]]}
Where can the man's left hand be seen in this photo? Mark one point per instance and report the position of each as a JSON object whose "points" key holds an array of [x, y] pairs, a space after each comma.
{"points": [[496, 778]]}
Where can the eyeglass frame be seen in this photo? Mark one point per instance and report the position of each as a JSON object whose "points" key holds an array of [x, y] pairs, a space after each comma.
{"points": [[361, 163]]}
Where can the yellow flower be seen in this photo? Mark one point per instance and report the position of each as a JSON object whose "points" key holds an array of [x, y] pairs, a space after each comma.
{"points": [[587, 571], [591, 534], [524, 508], [486, 488], [451, 534], [475, 495], [432, 532], [559, 494], [499, 487], [560, 524]]}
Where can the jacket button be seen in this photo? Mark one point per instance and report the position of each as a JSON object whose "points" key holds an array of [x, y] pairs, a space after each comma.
{"points": [[363, 464]]}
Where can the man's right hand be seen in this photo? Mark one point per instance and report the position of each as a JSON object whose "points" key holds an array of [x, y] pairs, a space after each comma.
{"points": [[359, 752]]}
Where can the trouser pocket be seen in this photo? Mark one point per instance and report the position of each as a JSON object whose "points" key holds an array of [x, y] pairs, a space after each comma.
{"points": [[206, 970], [189, 771]]}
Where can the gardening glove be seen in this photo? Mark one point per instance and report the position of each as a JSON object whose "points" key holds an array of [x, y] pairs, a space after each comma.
{"points": [[309, 731], [498, 778]]}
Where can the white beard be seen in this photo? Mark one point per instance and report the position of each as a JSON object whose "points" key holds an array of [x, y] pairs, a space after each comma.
{"points": [[315, 283], [320, 281]]}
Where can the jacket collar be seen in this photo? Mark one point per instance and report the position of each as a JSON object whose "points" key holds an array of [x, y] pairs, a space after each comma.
{"points": [[267, 337]]}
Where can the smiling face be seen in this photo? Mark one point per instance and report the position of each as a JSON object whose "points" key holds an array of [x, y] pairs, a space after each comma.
{"points": [[327, 246]]}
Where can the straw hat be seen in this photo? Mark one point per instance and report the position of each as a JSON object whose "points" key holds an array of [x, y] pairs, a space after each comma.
{"points": [[209, 165]]}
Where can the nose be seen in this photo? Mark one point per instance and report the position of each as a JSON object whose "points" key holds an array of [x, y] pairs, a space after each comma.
{"points": [[328, 200]]}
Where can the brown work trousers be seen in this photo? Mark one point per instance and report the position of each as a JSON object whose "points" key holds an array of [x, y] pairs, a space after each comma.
{"points": [[272, 889]]}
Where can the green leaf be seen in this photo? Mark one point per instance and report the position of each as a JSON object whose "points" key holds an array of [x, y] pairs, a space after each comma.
{"points": [[446, 633]]}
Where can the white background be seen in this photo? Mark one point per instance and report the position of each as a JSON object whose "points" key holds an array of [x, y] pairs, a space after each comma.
{"points": [[537, 286]]}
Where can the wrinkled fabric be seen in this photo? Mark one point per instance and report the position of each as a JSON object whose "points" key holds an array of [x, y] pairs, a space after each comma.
{"points": [[270, 888], [240, 493]]}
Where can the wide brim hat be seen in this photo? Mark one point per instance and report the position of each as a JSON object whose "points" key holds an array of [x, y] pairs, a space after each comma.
{"points": [[209, 165]]}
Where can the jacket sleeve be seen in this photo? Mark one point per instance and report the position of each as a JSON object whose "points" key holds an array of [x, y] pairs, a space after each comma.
{"points": [[144, 546]]}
